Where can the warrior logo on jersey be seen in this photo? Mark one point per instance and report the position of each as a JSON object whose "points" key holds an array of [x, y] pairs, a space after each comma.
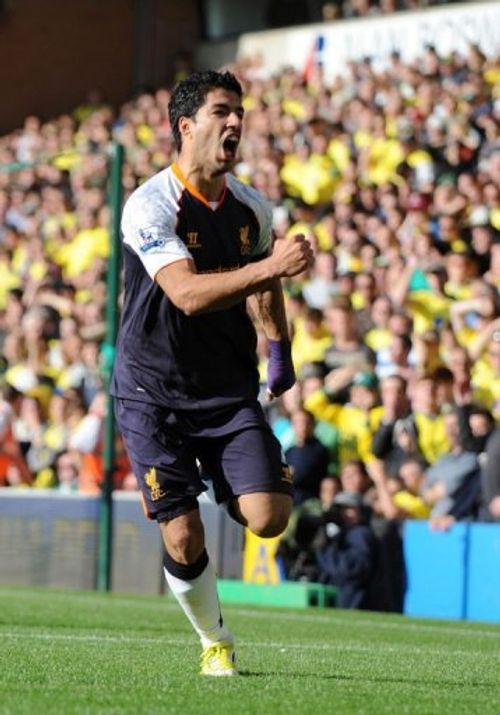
{"points": [[245, 245], [152, 481], [192, 239]]}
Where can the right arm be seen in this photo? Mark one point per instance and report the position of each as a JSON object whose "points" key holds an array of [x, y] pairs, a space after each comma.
{"points": [[382, 441], [194, 293], [398, 293], [482, 340], [385, 501], [149, 227]]}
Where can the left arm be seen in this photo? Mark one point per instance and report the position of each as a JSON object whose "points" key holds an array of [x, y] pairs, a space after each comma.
{"points": [[268, 308]]}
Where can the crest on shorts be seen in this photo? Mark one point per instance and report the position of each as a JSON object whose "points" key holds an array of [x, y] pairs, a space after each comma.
{"points": [[154, 486], [245, 245], [286, 474]]}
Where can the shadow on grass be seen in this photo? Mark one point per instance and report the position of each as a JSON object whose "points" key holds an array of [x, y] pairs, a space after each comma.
{"points": [[431, 681], [365, 679], [286, 674]]}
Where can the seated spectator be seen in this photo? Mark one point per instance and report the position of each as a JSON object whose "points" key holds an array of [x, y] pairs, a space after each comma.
{"points": [[432, 435], [280, 412], [347, 348], [395, 440], [485, 373], [397, 362], [490, 479], [29, 430], [362, 300], [378, 336], [295, 551], [67, 472], [311, 339], [13, 468], [354, 477], [398, 324], [129, 483], [472, 319], [308, 458], [400, 497], [321, 286], [451, 485], [476, 425]]}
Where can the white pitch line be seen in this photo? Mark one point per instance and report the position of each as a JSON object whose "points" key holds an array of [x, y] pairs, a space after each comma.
{"points": [[330, 617], [338, 620], [283, 646]]}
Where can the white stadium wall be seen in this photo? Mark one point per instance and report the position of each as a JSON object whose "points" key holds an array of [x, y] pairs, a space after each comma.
{"points": [[449, 28]]}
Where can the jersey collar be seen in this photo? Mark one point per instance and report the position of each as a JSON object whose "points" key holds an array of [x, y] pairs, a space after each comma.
{"points": [[194, 191]]}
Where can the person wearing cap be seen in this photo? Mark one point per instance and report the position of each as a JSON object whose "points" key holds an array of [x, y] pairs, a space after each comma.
{"points": [[355, 419]]}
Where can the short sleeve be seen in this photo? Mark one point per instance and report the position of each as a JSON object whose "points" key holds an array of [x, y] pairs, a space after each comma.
{"points": [[150, 231], [264, 243]]}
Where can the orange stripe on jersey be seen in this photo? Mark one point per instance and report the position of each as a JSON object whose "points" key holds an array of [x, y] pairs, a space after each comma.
{"points": [[194, 191], [145, 508]]}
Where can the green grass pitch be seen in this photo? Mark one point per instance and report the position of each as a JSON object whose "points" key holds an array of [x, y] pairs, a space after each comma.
{"points": [[65, 653]]}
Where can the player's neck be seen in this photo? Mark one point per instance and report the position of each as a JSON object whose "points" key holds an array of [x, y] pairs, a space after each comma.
{"points": [[211, 187]]}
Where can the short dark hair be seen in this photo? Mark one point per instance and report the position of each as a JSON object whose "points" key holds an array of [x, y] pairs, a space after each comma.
{"points": [[190, 94]]}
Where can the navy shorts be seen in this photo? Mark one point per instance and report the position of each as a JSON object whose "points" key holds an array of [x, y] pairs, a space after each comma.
{"points": [[169, 450]]}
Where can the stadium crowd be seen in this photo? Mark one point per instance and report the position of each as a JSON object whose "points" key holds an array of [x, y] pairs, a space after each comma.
{"points": [[337, 9], [394, 176]]}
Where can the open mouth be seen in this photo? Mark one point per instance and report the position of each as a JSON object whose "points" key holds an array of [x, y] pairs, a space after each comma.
{"points": [[230, 147]]}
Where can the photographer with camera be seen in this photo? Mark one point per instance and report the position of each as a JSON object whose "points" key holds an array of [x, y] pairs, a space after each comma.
{"points": [[346, 550]]}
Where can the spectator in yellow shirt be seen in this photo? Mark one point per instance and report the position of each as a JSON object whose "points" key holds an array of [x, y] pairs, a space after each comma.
{"points": [[354, 420], [311, 339], [433, 440], [400, 498], [485, 377]]}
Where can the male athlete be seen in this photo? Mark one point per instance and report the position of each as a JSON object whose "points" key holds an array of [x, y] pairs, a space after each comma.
{"points": [[197, 245]]}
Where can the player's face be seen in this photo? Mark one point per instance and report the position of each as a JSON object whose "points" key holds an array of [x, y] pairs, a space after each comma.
{"points": [[216, 131]]}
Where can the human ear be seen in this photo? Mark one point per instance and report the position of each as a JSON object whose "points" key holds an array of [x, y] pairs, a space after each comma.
{"points": [[185, 126]]}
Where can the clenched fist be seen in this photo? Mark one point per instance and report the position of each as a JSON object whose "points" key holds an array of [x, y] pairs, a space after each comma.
{"points": [[291, 256]]}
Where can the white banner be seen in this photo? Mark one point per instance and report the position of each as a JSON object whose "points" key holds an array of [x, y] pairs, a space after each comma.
{"points": [[449, 28]]}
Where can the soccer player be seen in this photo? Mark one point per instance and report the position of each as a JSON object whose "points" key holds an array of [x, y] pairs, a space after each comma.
{"points": [[197, 244]]}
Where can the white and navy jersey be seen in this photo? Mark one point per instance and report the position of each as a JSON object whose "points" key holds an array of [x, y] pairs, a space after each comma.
{"points": [[163, 356]]}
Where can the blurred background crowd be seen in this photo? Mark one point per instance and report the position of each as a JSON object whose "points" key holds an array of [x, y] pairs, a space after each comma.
{"points": [[362, 8], [394, 176]]}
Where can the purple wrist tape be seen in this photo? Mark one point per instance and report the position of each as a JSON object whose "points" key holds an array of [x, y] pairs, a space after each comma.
{"points": [[280, 372]]}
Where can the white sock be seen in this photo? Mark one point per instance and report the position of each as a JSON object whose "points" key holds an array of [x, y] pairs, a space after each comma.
{"points": [[199, 601]]}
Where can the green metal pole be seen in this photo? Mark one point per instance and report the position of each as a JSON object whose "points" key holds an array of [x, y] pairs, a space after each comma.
{"points": [[108, 353]]}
